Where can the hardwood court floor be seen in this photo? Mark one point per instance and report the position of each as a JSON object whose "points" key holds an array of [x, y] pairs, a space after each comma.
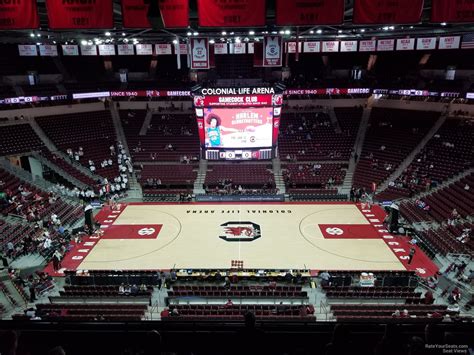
{"points": [[189, 238]]}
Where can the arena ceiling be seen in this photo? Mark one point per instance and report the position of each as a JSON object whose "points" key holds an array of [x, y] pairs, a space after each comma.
{"points": [[119, 35]]}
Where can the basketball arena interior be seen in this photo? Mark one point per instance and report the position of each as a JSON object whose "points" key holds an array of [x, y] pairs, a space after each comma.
{"points": [[236, 177]]}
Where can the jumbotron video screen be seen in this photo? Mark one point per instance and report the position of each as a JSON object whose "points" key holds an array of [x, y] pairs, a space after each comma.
{"points": [[243, 126]]}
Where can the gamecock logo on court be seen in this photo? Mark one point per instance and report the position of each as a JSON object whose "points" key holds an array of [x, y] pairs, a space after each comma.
{"points": [[146, 231], [334, 231], [240, 231]]}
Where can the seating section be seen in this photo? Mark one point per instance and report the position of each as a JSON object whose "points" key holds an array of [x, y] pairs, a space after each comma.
{"points": [[446, 154], [247, 175], [101, 292], [132, 122], [313, 175], [238, 291], [371, 292], [168, 176], [177, 129], [19, 138], [442, 202], [93, 131], [68, 168], [444, 239], [383, 312], [311, 136], [382, 151], [236, 312], [90, 311], [32, 198]]}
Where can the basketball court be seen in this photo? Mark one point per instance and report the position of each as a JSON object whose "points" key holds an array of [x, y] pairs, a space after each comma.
{"points": [[314, 236]]}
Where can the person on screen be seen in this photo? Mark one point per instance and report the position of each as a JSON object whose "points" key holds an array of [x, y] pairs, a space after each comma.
{"points": [[214, 130]]}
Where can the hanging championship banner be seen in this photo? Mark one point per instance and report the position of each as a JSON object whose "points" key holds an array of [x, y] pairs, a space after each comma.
{"points": [[48, 50], [163, 49], [67, 14], [106, 49], [384, 45], [291, 47], [220, 48], [125, 49], [89, 50], [144, 49], [348, 46], [451, 42], [426, 43], [18, 15], [405, 44], [272, 51], [175, 13], [311, 47], [309, 12], [387, 11], [330, 46], [452, 11], [183, 49], [27, 50], [199, 53], [251, 48], [367, 46], [237, 48], [231, 13], [70, 49]]}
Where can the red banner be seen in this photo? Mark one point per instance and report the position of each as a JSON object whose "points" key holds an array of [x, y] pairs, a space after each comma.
{"points": [[134, 14], [309, 12], [272, 51], [18, 15], [387, 11], [175, 13], [452, 11], [231, 13], [67, 14]]}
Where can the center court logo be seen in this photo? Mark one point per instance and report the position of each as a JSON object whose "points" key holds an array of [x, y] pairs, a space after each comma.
{"points": [[240, 231]]}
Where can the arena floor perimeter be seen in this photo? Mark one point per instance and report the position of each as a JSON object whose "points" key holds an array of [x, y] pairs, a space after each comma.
{"points": [[314, 236]]}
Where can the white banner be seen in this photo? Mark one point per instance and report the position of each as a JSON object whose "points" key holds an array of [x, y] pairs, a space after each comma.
{"points": [[144, 49], [426, 43], [330, 46], [70, 49], [199, 53], [27, 50], [367, 46], [291, 47], [272, 51], [163, 49], [125, 49], [220, 48], [405, 44], [251, 48], [385, 45], [311, 47], [348, 46], [237, 48], [451, 42], [106, 49], [89, 50], [183, 48], [48, 50]]}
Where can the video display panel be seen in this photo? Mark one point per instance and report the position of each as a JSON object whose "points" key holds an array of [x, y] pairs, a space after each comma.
{"points": [[238, 127]]}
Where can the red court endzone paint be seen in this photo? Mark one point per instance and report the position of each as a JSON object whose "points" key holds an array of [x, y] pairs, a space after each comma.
{"points": [[348, 231]]}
